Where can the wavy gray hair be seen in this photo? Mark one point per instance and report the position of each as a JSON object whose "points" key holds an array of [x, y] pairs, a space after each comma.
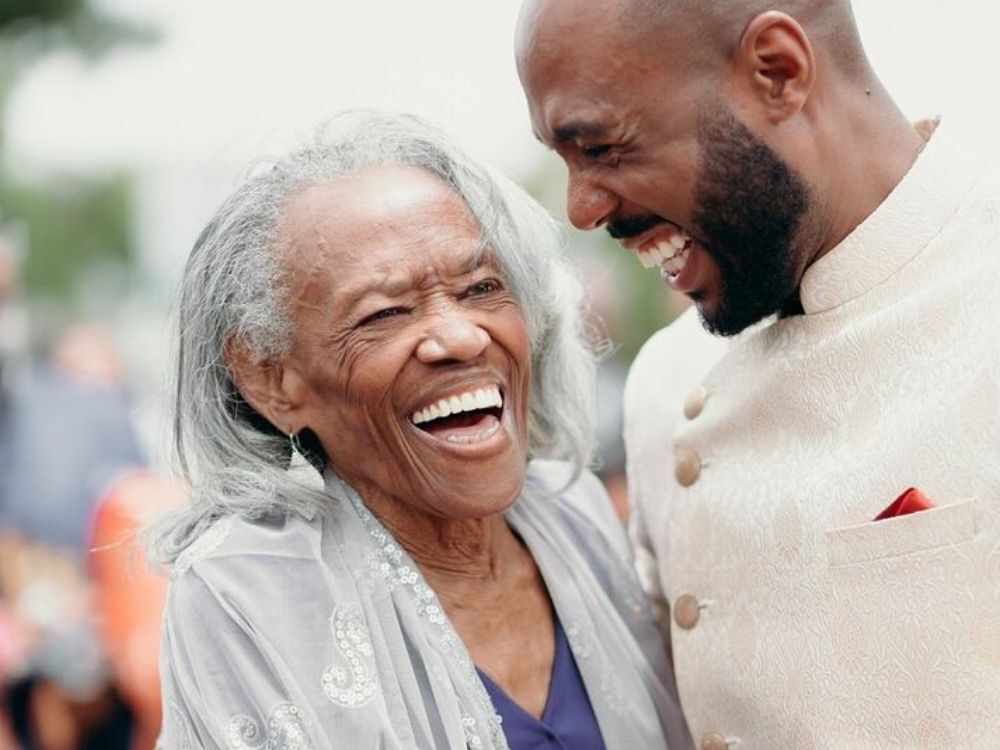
{"points": [[233, 289]]}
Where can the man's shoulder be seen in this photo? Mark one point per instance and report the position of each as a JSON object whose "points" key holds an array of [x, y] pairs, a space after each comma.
{"points": [[674, 360]]}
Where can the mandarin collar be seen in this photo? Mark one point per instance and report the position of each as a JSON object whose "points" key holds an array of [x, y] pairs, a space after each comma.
{"points": [[898, 230]]}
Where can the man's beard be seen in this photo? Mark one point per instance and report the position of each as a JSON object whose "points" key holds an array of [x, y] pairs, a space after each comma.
{"points": [[748, 205]]}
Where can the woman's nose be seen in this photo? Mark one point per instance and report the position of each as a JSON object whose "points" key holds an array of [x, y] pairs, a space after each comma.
{"points": [[453, 336]]}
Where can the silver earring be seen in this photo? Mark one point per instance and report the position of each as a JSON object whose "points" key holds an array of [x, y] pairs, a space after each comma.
{"points": [[293, 438]]}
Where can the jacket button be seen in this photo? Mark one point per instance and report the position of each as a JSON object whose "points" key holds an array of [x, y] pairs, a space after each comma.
{"points": [[687, 467], [687, 611], [714, 741], [694, 404]]}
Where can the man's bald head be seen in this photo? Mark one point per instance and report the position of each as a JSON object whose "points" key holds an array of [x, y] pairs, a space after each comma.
{"points": [[719, 24], [750, 136], [691, 33]]}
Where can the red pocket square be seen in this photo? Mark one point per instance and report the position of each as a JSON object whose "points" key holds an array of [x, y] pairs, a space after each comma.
{"points": [[911, 501]]}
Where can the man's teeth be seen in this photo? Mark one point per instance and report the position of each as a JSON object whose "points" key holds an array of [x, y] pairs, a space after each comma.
{"points": [[650, 258], [483, 398], [666, 254], [673, 266]]}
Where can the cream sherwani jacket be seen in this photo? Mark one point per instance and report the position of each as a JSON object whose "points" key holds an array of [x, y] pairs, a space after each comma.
{"points": [[757, 466]]}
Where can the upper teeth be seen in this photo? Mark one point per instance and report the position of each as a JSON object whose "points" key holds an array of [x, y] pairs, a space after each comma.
{"points": [[665, 249], [484, 398]]}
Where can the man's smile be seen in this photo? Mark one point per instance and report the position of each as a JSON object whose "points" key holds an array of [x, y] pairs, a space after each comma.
{"points": [[657, 243]]}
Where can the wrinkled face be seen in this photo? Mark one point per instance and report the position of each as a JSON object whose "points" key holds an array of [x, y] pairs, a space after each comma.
{"points": [[655, 156], [411, 359]]}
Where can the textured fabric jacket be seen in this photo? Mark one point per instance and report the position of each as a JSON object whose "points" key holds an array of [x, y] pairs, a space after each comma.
{"points": [[757, 466]]}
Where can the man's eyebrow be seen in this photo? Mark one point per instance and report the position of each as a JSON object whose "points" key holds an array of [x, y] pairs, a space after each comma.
{"points": [[572, 131]]}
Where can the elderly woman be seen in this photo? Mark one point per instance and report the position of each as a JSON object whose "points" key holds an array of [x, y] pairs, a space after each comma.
{"points": [[380, 309]]}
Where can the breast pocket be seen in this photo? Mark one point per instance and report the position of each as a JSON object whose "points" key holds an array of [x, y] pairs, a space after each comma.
{"points": [[893, 537]]}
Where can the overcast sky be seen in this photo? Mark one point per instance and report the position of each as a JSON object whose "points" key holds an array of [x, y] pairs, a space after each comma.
{"points": [[235, 78]]}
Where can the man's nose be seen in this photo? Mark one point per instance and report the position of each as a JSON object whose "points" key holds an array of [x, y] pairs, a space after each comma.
{"points": [[588, 205], [452, 336]]}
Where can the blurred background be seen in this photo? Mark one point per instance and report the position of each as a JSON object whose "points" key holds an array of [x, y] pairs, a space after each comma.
{"points": [[123, 123]]}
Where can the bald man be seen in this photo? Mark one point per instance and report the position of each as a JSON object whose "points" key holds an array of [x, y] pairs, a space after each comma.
{"points": [[843, 348]]}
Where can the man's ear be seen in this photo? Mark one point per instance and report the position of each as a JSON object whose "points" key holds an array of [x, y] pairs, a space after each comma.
{"points": [[775, 66], [262, 385]]}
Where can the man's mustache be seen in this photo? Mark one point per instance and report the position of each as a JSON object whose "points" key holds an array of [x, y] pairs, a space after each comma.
{"points": [[622, 229]]}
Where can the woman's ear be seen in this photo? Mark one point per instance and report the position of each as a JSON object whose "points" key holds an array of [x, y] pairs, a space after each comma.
{"points": [[774, 66], [262, 385]]}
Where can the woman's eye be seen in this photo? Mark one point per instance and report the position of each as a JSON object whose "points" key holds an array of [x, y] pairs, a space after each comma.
{"points": [[388, 312], [486, 286]]}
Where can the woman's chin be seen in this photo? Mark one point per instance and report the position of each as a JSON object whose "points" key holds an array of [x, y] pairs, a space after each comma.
{"points": [[478, 494], [484, 456]]}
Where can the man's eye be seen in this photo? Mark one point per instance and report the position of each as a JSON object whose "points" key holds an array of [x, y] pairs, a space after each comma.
{"points": [[388, 312], [596, 152]]}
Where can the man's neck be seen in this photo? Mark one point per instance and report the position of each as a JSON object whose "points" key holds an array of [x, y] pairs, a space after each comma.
{"points": [[874, 147]]}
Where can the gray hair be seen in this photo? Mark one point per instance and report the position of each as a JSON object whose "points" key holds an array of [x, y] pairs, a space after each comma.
{"points": [[233, 289]]}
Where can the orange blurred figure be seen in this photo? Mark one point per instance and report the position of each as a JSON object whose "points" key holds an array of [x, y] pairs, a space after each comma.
{"points": [[129, 596]]}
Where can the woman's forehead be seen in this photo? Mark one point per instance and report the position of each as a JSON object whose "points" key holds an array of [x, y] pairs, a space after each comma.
{"points": [[401, 205], [377, 196], [385, 228]]}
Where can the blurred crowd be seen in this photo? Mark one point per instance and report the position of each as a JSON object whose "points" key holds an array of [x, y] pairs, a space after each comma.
{"points": [[79, 608]]}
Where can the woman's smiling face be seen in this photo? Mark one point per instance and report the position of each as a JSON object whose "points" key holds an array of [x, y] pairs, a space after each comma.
{"points": [[411, 361]]}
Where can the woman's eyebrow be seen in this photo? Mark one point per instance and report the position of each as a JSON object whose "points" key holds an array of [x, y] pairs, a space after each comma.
{"points": [[388, 284], [392, 283]]}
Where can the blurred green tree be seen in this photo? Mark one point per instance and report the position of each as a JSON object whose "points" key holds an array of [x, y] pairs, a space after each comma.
{"points": [[77, 225], [73, 223]]}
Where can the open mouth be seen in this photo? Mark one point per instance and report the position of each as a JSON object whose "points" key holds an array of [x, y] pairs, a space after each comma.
{"points": [[467, 417], [667, 249]]}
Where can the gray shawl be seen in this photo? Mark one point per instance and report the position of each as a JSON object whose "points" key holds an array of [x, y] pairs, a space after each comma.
{"points": [[322, 634]]}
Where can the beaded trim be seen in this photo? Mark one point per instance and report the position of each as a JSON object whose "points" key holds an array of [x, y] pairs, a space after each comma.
{"points": [[203, 546], [392, 567]]}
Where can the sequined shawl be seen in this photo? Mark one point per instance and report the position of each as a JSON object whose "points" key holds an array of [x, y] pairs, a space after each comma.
{"points": [[322, 634]]}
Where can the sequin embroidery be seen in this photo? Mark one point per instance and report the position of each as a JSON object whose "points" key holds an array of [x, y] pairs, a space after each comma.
{"points": [[351, 680], [285, 731], [390, 569]]}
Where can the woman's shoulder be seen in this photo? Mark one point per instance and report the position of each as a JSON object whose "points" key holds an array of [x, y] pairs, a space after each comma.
{"points": [[249, 543], [578, 525], [253, 573], [581, 502]]}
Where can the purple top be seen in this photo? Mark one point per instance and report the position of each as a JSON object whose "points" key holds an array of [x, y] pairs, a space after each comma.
{"points": [[568, 721]]}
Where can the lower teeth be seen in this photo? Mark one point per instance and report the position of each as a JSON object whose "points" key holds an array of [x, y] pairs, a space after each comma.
{"points": [[673, 266], [468, 438]]}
